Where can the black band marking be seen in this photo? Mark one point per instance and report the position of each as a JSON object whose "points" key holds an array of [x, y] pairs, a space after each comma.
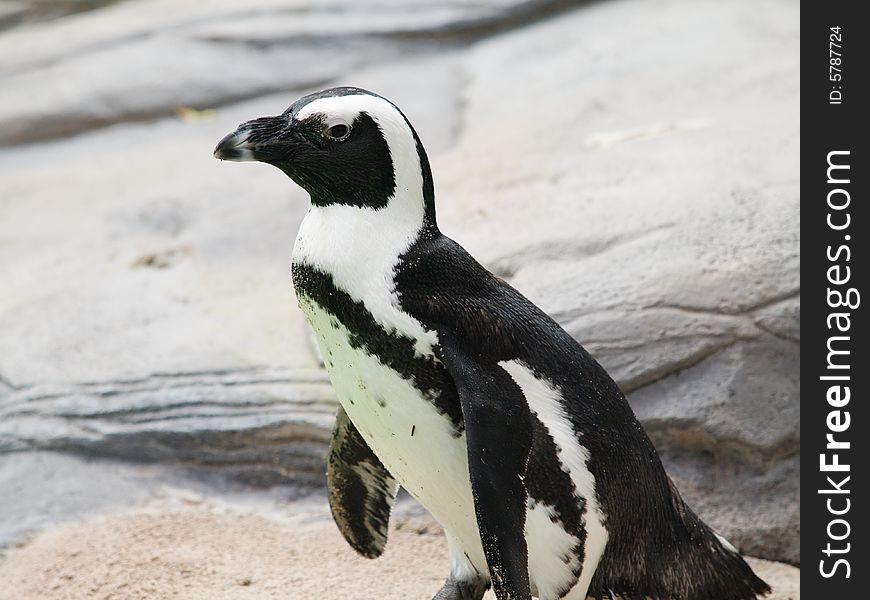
{"points": [[392, 349]]}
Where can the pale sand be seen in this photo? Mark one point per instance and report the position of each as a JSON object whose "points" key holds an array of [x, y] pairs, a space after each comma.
{"points": [[208, 552]]}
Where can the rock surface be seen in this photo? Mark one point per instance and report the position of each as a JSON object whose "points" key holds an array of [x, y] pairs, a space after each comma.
{"points": [[630, 166], [145, 58]]}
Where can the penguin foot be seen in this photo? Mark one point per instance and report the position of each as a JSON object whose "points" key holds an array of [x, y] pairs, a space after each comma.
{"points": [[461, 590]]}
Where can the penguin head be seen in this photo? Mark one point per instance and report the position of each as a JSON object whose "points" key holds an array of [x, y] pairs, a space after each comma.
{"points": [[344, 146]]}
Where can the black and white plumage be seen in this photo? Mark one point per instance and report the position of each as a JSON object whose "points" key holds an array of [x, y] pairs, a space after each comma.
{"points": [[457, 387]]}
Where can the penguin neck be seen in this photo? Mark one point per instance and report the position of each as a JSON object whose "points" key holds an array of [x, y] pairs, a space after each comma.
{"points": [[360, 250], [360, 247]]}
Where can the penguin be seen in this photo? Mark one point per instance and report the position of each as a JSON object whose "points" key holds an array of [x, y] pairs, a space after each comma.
{"points": [[456, 387]]}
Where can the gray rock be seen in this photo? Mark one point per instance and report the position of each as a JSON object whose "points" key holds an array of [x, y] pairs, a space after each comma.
{"points": [[12, 13], [39, 490], [266, 426], [142, 59], [17, 12]]}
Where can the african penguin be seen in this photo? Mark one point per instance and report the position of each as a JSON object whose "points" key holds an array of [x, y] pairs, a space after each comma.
{"points": [[456, 387]]}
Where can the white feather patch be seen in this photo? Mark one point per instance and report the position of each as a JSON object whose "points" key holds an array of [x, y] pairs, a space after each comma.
{"points": [[547, 544], [461, 568], [546, 402], [728, 545]]}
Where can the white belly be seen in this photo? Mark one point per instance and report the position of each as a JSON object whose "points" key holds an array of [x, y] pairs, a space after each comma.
{"points": [[411, 438], [415, 443]]}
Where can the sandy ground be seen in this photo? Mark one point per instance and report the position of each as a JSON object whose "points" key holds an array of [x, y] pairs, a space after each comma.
{"points": [[205, 551]]}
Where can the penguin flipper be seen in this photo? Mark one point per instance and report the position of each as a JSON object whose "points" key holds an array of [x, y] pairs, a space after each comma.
{"points": [[498, 427], [361, 491]]}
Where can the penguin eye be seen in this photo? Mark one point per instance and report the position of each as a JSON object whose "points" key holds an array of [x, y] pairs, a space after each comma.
{"points": [[337, 132]]}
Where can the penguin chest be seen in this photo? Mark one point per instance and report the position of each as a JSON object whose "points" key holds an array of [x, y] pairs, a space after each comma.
{"points": [[402, 424], [392, 388]]}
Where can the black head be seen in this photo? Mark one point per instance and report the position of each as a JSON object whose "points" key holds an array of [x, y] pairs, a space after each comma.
{"points": [[343, 146]]}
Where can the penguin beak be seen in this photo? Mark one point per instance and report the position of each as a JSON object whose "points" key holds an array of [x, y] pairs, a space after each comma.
{"points": [[264, 139]]}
